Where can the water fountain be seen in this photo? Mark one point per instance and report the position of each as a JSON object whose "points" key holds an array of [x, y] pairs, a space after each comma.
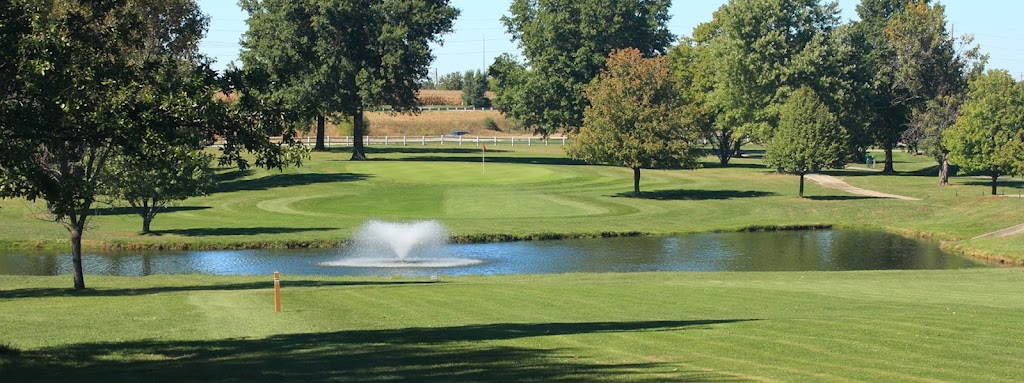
{"points": [[401, 245]]}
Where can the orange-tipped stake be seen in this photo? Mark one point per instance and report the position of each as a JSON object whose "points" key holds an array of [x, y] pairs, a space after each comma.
{"points": [[277, 291]]}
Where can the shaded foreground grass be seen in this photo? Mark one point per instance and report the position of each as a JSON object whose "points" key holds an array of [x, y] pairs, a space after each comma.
{"points": [[819, 326]]}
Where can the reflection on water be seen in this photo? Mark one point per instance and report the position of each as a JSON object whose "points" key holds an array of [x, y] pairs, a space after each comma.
{"points": [[772, 251]]}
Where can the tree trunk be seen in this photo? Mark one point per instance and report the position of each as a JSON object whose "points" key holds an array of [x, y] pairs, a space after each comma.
{"points": [[321, 131], [358, 151], [888, 161], [723, 149], [147, 212], [801, 185], [944, 170], [994, 178], [76, 252], [636, 181]]}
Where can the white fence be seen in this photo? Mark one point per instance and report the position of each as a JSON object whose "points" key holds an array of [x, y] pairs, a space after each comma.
{"points": [[342, 141], [437, 140]]}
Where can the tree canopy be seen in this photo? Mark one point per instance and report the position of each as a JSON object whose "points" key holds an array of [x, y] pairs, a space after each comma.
{"points": [[931, 75], [809, 137], [984, 138], [762, 50], [322, 57], [162, 175], [765, 49], [634, 118], [565, 44], [98, 78]]}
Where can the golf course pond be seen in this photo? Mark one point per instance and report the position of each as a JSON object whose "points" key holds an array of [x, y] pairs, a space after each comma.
{"points": [[816, 250]]}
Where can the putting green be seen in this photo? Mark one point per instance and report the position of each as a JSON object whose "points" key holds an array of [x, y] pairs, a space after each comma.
{"points": [[456, 173]]}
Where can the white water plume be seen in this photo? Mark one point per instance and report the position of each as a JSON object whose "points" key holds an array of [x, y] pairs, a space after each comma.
{"points": [[400, 244]]}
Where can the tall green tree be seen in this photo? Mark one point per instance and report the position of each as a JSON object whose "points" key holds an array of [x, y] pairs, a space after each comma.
{"points": [[325, 57], [991, 121], [565, 43], [97, 78], [474, 89], [885, 116], [634, 118], [765, 49], [809, 137], [931, 74], [451, 81], [693, 66]]}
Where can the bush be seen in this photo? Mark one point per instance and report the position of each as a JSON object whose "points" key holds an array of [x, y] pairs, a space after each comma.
{"points": [[490, 124]]}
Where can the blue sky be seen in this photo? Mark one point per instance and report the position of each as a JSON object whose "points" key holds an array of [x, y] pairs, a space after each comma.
{"points": [[479, 35]]}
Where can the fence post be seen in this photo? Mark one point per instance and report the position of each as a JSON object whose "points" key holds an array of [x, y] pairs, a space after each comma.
{"points": [[328, 143], [563, 140], [512, 141], [423, 140], [529, 141], [460, 140]]}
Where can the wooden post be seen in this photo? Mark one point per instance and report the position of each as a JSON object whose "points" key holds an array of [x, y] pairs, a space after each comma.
{"points": [[277, 291]]}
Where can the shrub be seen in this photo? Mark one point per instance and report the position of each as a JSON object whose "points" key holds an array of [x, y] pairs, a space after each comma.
{"points": [[490, 124]]}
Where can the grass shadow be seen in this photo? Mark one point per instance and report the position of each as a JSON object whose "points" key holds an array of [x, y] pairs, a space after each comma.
{"points": [[715, 164], [286, 180], [696, 195], [452, 354], [219, 231], [849, 173], [999, 183], [127, 210], [931, 171], [230, 174]]}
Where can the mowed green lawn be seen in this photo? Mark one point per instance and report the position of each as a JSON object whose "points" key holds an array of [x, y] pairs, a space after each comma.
{"points": [[530, 192], [954, 326], [957, 326]]}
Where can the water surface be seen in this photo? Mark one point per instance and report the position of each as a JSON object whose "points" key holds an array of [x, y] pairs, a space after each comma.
{"points": [[823, 250]]}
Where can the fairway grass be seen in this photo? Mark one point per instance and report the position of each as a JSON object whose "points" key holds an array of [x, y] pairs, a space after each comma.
{"points": [[527, 192], [955, 326]]}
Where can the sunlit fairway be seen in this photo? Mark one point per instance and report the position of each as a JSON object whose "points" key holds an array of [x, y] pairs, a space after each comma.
{"points": [[961, 325], [956, 326]]}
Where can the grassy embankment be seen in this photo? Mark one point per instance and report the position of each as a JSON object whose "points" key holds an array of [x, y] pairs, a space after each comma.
{"points": [[532, 192], [955, 326]]}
